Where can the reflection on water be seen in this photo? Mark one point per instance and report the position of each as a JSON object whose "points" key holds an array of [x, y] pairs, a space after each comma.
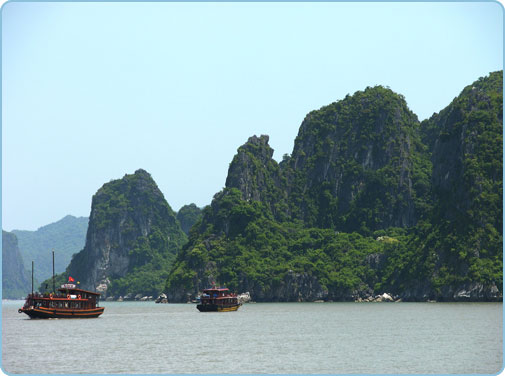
{"points": [[144, 337]]}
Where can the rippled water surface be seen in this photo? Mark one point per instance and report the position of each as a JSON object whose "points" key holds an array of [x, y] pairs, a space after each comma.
{"points": [[144, 337]]}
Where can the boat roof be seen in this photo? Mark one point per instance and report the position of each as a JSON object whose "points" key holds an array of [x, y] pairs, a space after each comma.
{"points": [[222, 289], [73, 288]]}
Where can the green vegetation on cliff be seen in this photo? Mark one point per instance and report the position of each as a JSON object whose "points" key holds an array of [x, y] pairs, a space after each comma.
{"points": [[369, 201], [254, 173], [245, 248], [465, 226], [187, 216], [359, 165], [459, 246]]}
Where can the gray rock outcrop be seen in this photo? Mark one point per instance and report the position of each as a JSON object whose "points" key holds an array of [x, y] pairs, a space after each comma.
{"points": [[130, 224]]}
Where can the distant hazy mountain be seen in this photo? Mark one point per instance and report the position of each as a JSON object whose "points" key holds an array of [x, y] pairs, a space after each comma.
{"points": [[66, 237], [16, 281]]}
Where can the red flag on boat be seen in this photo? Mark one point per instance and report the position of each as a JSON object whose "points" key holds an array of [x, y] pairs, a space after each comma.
{"points": [[70, 279]]}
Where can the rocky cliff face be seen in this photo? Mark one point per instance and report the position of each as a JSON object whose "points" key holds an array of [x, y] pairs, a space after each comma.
{"points": [[467, 154], [131, 225], [467, 185], [356, 164], [16, 280], [293, 287], [257, 175]]}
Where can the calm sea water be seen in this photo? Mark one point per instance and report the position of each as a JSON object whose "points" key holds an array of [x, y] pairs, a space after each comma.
{"points": [[144, 337]]}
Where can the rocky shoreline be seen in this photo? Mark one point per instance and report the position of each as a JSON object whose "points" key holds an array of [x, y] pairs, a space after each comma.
{"points": [[129, 298], [463, 295]]}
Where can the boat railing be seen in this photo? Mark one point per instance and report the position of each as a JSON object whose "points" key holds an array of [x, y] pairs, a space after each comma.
{"points": [[38, 295]]}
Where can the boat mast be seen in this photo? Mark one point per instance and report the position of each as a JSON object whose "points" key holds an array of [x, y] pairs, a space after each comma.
{"points": [[32, 277], [53, 273]]}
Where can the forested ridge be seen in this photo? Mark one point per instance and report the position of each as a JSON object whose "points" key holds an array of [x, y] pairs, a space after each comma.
{"points": [[370, 200]]}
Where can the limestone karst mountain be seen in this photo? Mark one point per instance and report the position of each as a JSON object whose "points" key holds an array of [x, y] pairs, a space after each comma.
{"points": [[132, 237], [370, 200]]}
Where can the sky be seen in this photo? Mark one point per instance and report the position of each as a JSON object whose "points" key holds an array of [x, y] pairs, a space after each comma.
{"points": [[94, 91]]}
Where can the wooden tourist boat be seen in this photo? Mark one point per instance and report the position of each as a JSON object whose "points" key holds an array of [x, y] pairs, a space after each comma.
{"points": [[69, 303], [218, 299]]}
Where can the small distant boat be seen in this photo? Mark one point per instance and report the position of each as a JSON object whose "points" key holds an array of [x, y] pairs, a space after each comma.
{"points": [[218, 299], [69, 302]]}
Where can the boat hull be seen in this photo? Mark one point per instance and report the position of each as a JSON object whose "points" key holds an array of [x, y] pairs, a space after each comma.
{"points": [[217, 308], [53, 313]]}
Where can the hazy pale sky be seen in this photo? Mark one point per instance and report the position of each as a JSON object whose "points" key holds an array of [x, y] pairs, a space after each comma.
{"points": [[93, 91]]}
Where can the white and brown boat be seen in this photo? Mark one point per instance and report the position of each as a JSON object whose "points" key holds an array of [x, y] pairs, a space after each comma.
{"points": [[69, 303]]}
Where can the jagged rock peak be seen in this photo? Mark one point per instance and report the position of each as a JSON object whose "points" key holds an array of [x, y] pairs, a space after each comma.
{"points": [[261, 140], [246, 169], [140, 182], [258, 146], [130, 223], [256, 174], [142, 172]]}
